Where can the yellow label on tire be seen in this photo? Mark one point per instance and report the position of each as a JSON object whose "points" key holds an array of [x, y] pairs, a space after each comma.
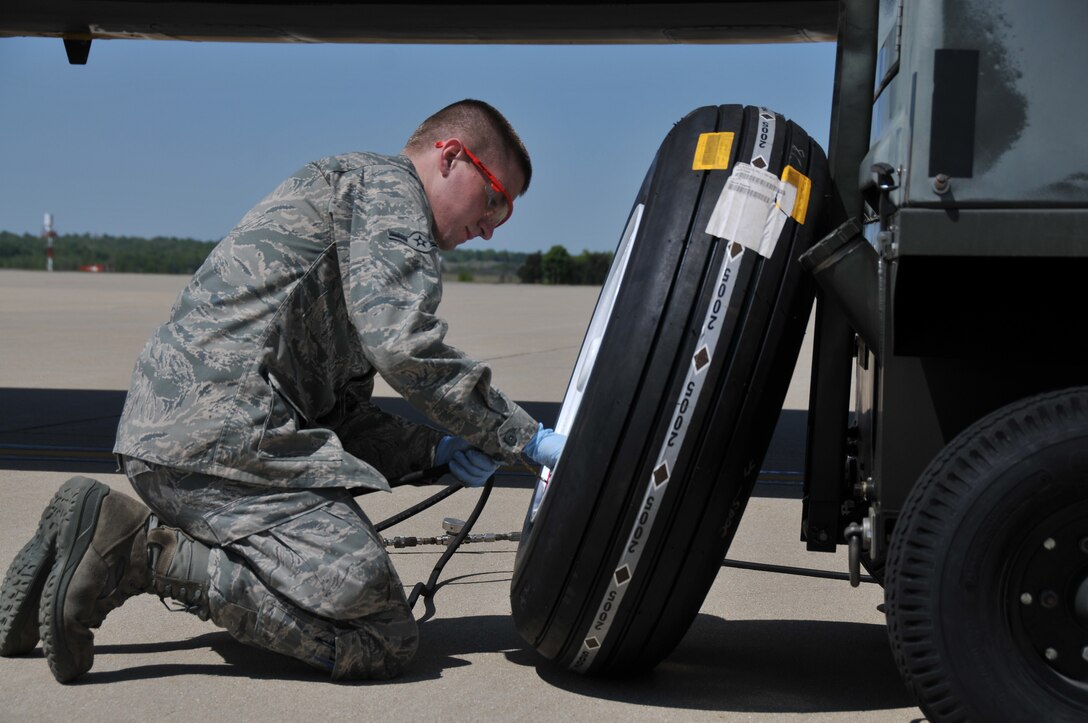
{"points": [[801, 186], [712, 152]]}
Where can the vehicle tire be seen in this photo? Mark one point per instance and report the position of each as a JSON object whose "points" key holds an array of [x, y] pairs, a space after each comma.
{"points": [[676, 393], [987, 575]]}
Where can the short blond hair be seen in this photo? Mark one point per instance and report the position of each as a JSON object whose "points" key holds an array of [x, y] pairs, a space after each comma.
{"points": [[481, 126]]}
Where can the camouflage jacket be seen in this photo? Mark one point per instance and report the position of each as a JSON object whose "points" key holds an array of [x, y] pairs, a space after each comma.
{"points": [[264, 372]]}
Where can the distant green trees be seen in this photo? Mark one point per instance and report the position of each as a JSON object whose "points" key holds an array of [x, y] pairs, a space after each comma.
{"points": [[532, 270], [168, 255], [557, 266], [481, 265], [126, 254]]}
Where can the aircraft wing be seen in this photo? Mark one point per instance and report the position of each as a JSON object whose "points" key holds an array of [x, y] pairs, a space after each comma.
{"points": [[354, 21]]}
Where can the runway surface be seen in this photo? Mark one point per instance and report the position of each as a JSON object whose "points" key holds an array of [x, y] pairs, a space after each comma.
{"points": [[765, 646]]}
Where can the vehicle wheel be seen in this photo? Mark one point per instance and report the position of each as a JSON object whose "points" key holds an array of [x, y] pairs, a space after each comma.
{"points": [[675, 394], [987, 575]]}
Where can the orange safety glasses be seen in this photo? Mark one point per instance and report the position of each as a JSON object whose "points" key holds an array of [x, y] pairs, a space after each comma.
{"points": [[500, 205]]}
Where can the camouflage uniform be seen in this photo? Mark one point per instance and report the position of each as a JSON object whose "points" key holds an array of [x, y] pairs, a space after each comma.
{"points": [[249, 413]]}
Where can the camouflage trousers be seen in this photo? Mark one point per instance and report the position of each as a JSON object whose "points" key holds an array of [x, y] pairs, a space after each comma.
{"points": [[299, 572]]}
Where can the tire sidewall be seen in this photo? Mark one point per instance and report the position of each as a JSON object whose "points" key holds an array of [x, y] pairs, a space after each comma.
{"points": [[626, 544], [1000, 489]]}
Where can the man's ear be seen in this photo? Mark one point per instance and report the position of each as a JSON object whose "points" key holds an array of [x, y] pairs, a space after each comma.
{"points": [[448, 150]]}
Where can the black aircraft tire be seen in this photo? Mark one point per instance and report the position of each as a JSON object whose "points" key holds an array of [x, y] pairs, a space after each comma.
{"points": [[678, 394], [987, 575]]}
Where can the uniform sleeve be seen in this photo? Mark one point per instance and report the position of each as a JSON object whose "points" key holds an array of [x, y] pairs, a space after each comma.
{"points": [[393, 287], [391, 444]]}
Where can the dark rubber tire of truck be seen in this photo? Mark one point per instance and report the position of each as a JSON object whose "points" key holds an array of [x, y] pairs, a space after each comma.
{"points": [[676, 393], [987, 575]]}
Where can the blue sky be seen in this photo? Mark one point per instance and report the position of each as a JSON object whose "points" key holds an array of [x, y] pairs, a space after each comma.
{"points": [[157, 138]]}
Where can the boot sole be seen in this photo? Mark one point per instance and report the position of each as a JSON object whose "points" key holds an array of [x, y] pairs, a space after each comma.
{"points": [[21, 593], [73, 540]]}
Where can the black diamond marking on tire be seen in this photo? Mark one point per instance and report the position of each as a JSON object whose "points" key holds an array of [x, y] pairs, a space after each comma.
{"points": [[702, 358], [592, 643], [661, 474], [759, 163], [623, 575]]}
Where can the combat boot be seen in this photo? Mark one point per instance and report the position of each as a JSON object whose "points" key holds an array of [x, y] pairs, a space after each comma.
{"points": [[21, 592], [101, 561], [179, 568]]}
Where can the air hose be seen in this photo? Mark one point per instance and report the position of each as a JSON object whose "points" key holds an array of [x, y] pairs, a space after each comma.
{"points": [[426, 477], [428, 589]]}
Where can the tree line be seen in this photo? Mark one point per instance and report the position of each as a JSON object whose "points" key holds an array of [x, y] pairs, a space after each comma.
{"points": [[169, 255], [124, 254], [557, 266]]}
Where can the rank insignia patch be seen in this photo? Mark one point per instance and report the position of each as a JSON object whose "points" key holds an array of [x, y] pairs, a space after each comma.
{"points": [[417, 240]]}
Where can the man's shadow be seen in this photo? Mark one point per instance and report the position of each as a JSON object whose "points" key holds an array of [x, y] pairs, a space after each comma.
{"points": [[240, 661], [788, 666]]}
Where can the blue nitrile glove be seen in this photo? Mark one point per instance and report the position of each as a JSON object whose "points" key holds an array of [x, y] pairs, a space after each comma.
{"points": [[467, 463], [545, 447]]}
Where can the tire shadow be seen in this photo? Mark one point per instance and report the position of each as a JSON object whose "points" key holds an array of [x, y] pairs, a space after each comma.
{"points": [[758, 666]]}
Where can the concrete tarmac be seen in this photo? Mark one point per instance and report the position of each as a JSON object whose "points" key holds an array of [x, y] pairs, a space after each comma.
{"points": [[765, 646]]}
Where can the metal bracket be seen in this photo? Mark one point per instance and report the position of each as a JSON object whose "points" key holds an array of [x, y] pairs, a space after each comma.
{"points": [[853, 536]]}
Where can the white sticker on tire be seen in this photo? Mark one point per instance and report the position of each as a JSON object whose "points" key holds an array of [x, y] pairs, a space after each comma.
{"points": [[755, 203], [747, 211]]}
